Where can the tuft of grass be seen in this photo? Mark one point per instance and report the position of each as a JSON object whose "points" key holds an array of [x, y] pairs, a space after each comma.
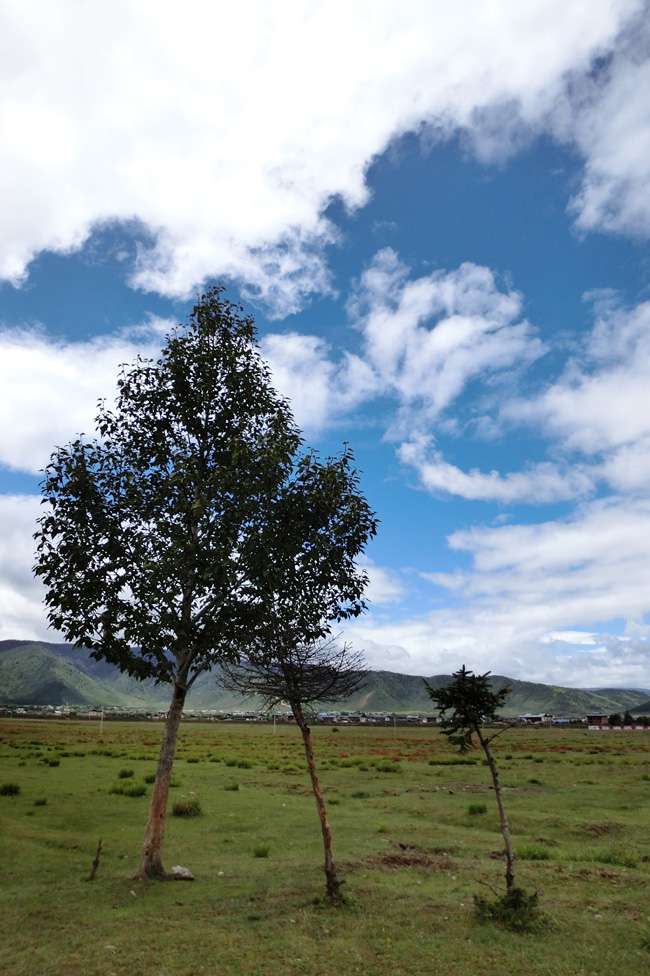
{"points": [[187, 808], [533, 852], [135, 789], [388, 767], [476, 809], [125, 774], [53, 762], [261, 850], [41, 801], [150, 778], [231, 787], [617, 857], [360, 795], [193, 759], [9, 789]]}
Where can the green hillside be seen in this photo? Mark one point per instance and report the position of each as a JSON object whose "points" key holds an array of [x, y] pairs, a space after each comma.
{"points": [[37, 673]]}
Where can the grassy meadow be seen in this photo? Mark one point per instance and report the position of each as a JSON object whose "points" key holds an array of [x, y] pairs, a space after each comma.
{"points": [[415, 834]]}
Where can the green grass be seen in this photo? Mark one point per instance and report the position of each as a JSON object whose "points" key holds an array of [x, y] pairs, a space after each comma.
{"points": [[411, 856]]}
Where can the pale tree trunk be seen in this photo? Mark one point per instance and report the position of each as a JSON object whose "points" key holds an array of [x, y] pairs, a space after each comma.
{"points": [[151, 865], [505, 826], [332, 883]]}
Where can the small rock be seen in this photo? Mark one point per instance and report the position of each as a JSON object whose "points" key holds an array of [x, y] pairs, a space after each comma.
{"points": [[179, 873]]}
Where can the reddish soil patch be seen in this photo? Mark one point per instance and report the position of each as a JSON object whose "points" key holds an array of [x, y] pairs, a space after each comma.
{"points": [[413, 857]]}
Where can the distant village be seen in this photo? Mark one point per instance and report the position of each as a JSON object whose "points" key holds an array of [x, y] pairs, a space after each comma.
{"points": [[595, 722]]}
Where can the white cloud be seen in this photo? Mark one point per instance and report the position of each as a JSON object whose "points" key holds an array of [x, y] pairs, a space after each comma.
{"points": [[384, 585], [427, 338], [611, 126], [21, 611], [531, 581], [226, 132], [599, 403], [50, 387], [321, 388], [543, 482]]}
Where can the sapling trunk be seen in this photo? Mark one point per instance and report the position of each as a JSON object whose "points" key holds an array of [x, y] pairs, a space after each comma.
{"points": [[151, 865], [505, 826], [332, 883]]}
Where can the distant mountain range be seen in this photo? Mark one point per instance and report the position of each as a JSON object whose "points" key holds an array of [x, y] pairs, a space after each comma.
{"points": [[38, 673]]}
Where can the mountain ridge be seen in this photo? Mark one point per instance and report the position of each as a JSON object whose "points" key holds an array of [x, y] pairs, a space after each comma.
{"points": [[42, 673]]}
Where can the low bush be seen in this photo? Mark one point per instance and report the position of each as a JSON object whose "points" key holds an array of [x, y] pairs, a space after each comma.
{"points": [[388, 767], [476, 809], [360, 795], [9, 789], [41, 801], [517, 911], [53, 762], [261, 850], [187, 808], [244, 764], [193, 759], [231, 787], [125, 774], [150, 778]]}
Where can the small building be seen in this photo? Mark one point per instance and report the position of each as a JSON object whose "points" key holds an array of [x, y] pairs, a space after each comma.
{"points": [[597, 721], [542, 718]]}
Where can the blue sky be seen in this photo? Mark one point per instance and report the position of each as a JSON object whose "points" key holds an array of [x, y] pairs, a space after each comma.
{"points": [[444, 244]]}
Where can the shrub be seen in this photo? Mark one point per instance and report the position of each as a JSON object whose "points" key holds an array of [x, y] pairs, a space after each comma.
{"points": [[9, 789], [388, 767], [53, 762], [193, 759], [476, 809], [360, 795], [150, 778], [116, 789], [230, 762], [244, 764], [517, 911], [231, 787], [261, 850], [535, 782], [41, 801], [187, 808], [125, 774]]}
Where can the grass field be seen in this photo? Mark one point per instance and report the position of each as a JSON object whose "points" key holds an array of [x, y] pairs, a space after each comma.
{"points": [[410, 850]]}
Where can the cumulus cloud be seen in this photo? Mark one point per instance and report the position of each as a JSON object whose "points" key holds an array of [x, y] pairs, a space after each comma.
{"points": [[21, 610], [428, 337], [543, 482], [529, 583], [226, 135], [321, 386], [384, 585], [50, 387]]}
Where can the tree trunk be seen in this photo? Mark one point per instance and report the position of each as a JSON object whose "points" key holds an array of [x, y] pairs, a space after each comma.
{"points": [[332, 883], [151, 865], [505, 826]]}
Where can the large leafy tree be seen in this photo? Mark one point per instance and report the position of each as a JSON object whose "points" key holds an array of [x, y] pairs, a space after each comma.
{"points": [[154, 541], [320, 524]]}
